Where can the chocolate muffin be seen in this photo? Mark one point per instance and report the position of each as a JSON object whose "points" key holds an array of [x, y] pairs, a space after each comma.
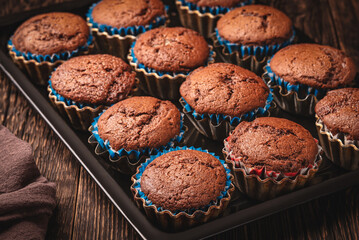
{"points": [[94, 79], [126, 13], [339, 111], [51, 33], [183, 180], [174, 49], [214, 3], [277, 144], [314, 65], [224, 88], [255, 25], [139, 122]]}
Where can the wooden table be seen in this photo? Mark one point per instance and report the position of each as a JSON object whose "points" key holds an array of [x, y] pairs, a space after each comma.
{"points": [[84, 212]]}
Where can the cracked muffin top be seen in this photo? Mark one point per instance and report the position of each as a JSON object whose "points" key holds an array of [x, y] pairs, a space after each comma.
{"points": [[339, 111], [94, 79], [215, 3], [183, 179], [51, 33], [174, 49], [255, 25], [139, 122], [126, 13], [224, 88], [315, 65], [274, 143]]}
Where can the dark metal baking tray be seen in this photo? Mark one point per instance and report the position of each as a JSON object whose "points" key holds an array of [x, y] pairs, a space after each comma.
{"points": [[116, 186]]}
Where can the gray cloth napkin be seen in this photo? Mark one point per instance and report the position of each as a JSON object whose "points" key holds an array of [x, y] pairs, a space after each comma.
{"points": [[26, 198]]}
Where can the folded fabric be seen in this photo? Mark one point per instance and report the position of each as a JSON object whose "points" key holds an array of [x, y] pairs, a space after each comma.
{"points": [[26, 198]]}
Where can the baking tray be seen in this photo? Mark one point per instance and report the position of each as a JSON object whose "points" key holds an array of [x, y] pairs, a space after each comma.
{"points": [[116, 186]]}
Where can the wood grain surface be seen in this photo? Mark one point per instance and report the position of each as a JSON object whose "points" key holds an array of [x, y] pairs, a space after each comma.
{"points": [[83, 210]]}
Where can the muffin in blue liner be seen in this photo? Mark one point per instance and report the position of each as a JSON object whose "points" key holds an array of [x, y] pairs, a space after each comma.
{"points": [[302, 74], [81, 101], [117, 40], [165, 84], [203, 19], [218, 126], [53, 57], [299, 98], [248, 36], [126, 161], [41, 60], [175, 218]]}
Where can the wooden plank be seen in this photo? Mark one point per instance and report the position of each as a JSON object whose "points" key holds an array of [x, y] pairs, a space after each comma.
{"points": [[346, 20], [313, 18], [96, 217], [53, 159]]}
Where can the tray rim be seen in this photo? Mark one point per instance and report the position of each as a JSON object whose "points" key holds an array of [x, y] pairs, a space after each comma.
{"points": [[124, 203]]}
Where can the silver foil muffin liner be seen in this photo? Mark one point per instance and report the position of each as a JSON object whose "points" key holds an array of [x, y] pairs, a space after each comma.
{"points": [[250, 62], [340, 150], [182, 220], [289, 100], [204, 23], [39, 72], [165, 86], [265, 187], [212, 130], [80, 118], [123, 164], [113, 44]]}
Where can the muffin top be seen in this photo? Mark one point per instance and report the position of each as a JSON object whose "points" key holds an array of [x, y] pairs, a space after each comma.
{"points": [[94, 79], [215, 3], [126, 13], [274, 143], [224, 88], [51, 33], [183, 179], [139, 122], [339, 111], [174, 49], [255, 25], [314, 65]]}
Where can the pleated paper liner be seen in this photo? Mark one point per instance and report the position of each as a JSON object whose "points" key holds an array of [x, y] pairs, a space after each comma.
{"points": [[182, 220], [264, 188], [80, 118], [39, 72], [253, 63], [214, 131], [343, 155], [204, 23], [123, 164], [289, 101], [116, 44], [165, 86]]}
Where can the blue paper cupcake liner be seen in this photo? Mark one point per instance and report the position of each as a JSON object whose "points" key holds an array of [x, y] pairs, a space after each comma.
{"points": [[266, 50], [218, 118], [69, 102], [213, 10], [137, 153], [301, 89], [53, 57], [137, 184], [159, 73], [132, 30]]}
